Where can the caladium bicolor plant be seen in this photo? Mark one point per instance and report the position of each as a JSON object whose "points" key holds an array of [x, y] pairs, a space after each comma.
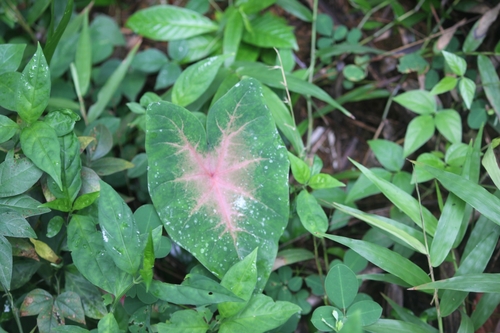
{"points": [[223, 191]]}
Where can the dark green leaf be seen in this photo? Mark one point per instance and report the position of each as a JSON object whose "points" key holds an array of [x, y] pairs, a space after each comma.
{"points": [[391, 325], [119, 230], [490, 80], [184, 321], [23, 204], [149, 60], [33, 91], [41, 145], [478, 32], [9, 86], [83, 57], [15, 225], [6, 259], [54, 226], [109, 165], [369, 311], [341, 285], [53, 40], [168, 75], [478, 283], [17, 175], [70, 306], [62, 121], [388, 153], [165, 23], [232, 34], [35, 302], [311, 214]]}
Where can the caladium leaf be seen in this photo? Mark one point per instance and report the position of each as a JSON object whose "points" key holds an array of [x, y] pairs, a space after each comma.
{"points": [[223, 192]]}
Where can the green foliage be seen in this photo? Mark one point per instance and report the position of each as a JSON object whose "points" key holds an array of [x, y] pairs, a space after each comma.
{"points": [[185, 187]]}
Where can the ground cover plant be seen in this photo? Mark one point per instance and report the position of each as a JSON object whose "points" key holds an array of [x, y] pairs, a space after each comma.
{"points": [[253, 166]]}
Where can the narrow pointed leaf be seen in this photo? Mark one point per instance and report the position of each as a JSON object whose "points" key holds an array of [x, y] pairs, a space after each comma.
{"points": [[119, 230], [405, 202], [34, 89], [419, 131], [409, 317], [83, 57], [24, 205], [490, 80], [472, 193], [490, 162], [386, 259], [222, 193], [270, 31], [39, 142], [478, 283], [391, 325], [484, 309], [6, 259]]}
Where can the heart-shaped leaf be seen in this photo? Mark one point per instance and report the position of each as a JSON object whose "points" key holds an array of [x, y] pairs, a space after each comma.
{"points": [[223, 192]]}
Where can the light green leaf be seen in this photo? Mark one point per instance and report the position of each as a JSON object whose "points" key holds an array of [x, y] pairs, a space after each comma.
{"points": [[83, 57], [341, 285], [391, 325], [369, 311], [53, 40], [9, 87], [108, 324], [418, 101], [253, 6], [300, 170], [166, 23], [62, 121], [41, 145], [33, 91], [17, 175], [108, 90], [466, 325], [456, 63], [11, 56], [261, 315], [404, 233], [233, 32], [405, 202], [119, 230], [311, 214], [270, 31], [418, 132], [477, 283], [489, 162], [184, 321], [467, 89], [148, 262], [419, 174], [296, 8], [241, 279], [449, 124], [386, 259], [472, 193], [323, 180], [446, 84], [388, 153]]}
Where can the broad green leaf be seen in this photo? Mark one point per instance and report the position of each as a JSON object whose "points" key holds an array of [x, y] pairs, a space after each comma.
{"points": [[168, 75], [418, 101], [7, 128], [36, 11], [54, 38], [490, 162], [419, 131], [62, 121], [41, 145], [270, 31], [484, 309], [490, 80], [341, 285], [203, 291], [323, 180], [166, 23], [216, 191], [6, 259], [386, 259], [413, 62], [300, 170], [17, 175], [54, 226], [184, 321], [232, 34], [283, 119], [140, 162], [149, 61], [404, 233], [109, 165], [15, 225], [92, 260], [467, 89], [474, 263], [23, 204], [89, 294], [273, 78], [71, 165], [311, 214], [296, 8], [447, 229], [409, 317], [419, 174], [11, 56], [70, 306], [457, 64], [405, 202], [85, 200], [110, 87], [240, 279], [477, 283], [9, 86], [195, 48], [291, 256], [323, 318], [35, 302], [119, 230], [253, 6], [472, 193], [108, 324], [446, 84], [354, 73], [370, 311], [388, 153], [449, 124], [466, 324], [203, 73], [479, 31], [83, 57], [33, 91], [391, 325], [260, 315]]}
